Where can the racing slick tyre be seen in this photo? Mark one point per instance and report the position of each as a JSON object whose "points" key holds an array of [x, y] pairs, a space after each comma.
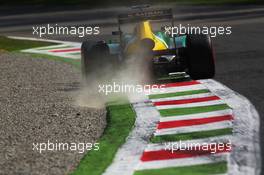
{"points": [[200, 56], [94, 59]]}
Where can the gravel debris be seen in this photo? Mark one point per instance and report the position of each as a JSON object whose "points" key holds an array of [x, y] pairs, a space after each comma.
{"points": [[36, 105]]}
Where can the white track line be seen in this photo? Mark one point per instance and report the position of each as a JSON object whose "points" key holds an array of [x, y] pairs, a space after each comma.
{"points": [[41, 39], [194, 128], [39, 50], [207, 94], [207, 103], [54, 46]]}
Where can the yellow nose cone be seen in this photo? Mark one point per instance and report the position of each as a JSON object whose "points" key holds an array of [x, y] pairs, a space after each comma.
{"points": [[143, 31]]}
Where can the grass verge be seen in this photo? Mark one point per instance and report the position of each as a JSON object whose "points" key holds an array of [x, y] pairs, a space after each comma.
{"points": [[8, 44], [120, 120], [13, 45]]}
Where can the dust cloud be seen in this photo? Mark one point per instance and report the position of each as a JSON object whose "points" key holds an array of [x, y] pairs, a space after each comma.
{"points": [[133, 71]]}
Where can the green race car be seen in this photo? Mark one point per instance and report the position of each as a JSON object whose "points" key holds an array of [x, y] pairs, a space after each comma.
{"points": [[157, 52]]}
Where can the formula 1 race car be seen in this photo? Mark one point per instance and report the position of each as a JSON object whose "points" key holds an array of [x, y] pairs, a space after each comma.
{"points": [[160, 54]]}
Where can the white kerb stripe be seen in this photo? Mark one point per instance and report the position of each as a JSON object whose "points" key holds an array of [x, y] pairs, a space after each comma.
{"points": [[198, 104], [207, 94], [194, 128]]}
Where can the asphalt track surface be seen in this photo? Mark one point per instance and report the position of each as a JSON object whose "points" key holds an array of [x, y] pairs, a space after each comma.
{"points": [[239, 56]]}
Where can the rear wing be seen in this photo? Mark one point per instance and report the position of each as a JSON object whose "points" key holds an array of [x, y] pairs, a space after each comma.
{"points": [[145, 15]]}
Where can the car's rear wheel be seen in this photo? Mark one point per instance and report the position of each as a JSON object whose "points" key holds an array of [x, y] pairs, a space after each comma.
{"points": [[200, 56], [95, 60]]}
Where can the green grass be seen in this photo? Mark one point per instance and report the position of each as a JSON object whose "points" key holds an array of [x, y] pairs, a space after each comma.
{"points": [[7, 44], [192, 110], [120, 120], [204, 169], [175, 94], [191, 135], [15, 46]]}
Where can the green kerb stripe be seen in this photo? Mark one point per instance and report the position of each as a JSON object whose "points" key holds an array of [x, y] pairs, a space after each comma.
{"points": [[191, 135], [75, 53], [192, 110], [204, 169], [175, 94]]}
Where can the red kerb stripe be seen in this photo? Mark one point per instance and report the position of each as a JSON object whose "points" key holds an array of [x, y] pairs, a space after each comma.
{"points": [[184, 101], [191, 122], [192, 152]]}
